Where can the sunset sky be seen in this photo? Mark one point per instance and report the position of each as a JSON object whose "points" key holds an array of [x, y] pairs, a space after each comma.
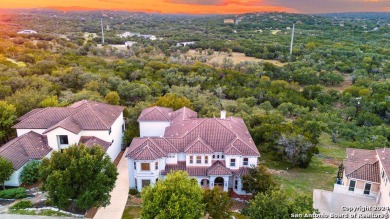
{"points": [[207, 6]]}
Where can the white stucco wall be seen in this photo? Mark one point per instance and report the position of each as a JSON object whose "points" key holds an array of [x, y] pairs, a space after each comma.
{"points": [[152, 129], [238, 161], [117, 136], [203, 159], [384, 199], [53, 139], [172, 159], [15, 177], [137, 175]]}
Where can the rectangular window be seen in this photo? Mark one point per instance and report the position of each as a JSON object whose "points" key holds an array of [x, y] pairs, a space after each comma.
{"points": [[63, 139], [123, 127], [145, 183], [367, 189], [232, 162], [109, 131], [245, 162], [198, 159], [156, 166], [191, 159], [145, 166], [206, 159], [352, 185], [236, 184], [135, 166]]}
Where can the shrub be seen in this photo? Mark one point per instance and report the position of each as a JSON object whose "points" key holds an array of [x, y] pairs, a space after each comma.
{"points": [[133, 192], [17, 193], [30, 172], [22, 205]]}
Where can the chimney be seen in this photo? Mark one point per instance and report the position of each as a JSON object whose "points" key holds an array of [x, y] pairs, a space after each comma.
{"points": [[223, 114]]}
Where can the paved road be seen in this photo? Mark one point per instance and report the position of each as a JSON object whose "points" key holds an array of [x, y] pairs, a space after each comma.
{"points": [[19, 216], [118, 195]]}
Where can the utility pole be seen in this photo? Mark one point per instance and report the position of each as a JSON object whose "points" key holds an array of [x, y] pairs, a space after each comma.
{"points": [[292, 39], [101, 24]]}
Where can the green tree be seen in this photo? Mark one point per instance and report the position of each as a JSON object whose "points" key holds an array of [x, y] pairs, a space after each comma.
{"points": [[269, 205], [173, 101], [79, 175], [276, 204], [7, 119], [218, 203], [178, 196], [112, 98], [6, 170], [258, 179], [297, 150], [49, 101], [30, 173]]}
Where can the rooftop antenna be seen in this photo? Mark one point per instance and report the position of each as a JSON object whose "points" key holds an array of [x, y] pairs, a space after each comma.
{"points": [[292, 39], [101, 24]]}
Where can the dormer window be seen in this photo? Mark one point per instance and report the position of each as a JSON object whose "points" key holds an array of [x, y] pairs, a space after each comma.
{"points": [[191, 159], [63, 139]]}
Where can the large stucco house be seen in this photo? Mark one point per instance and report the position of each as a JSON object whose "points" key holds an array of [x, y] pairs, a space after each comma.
{"points": [[44, 130], [214, 151], [366, 173]]}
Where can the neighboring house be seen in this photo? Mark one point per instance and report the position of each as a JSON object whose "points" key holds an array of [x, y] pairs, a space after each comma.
{"points": [[23, 149], [128, 34], [185, 43], [130, 43], [27, 32], [55, 128], [365, 177], [150, 37], [214, 151], [229, 21]]}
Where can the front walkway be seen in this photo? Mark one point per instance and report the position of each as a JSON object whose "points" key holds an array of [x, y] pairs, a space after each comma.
{"points": [[118, 195]]}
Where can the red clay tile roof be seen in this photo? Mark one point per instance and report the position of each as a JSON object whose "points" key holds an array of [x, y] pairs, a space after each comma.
{"points": [[146, 149], [24, 148], [91, 141], [158, 113], [218, 168], [82, 115], [198, 147], [155, 113], [384, 158], [243, 171], [228, 135], [362, 164]]}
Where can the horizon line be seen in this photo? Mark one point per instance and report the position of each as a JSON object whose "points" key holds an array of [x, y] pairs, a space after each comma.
{"points": [[68, 9]]}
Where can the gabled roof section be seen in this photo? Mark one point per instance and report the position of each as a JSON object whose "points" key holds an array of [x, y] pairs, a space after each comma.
{"points": [[218, 168], [24, 148], [155, 113], [361, 164], [367, 172], [82, 115], [91, 141], [145, 149], [199, 146]]}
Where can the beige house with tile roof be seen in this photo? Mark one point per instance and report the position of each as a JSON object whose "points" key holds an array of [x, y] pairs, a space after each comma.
{"points": [[43, 130], [215, 151], [366, 173]]}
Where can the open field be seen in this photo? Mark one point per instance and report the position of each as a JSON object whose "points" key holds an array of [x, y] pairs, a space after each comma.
{"points": [[236, 57], [321, 173]]}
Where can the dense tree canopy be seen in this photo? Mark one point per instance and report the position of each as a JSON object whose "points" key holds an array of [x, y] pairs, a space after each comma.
{"points": [[6, 170], [177, 196], [80, 176]]}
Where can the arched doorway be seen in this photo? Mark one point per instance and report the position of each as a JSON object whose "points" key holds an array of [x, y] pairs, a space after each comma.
{"points": [[218, 181], [204, 182]]}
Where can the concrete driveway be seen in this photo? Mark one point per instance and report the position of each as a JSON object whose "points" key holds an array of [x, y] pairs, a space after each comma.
{"points": [[119, 194]]}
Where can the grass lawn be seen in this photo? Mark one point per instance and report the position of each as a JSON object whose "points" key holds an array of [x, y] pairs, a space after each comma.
{"points": [[321, 173], [132, 212]]}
